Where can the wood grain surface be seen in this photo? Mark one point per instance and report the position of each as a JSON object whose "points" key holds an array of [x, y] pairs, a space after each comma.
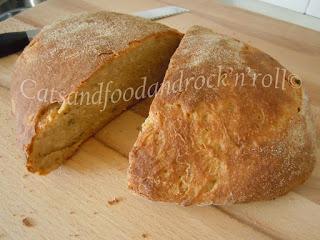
{"points": [[77, 200]]}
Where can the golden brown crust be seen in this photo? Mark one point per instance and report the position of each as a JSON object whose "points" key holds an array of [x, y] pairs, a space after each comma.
{"points": [[64, 55], [223, 144]]}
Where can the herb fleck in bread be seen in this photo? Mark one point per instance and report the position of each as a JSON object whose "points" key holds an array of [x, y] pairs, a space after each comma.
{"points": [[73, 56], [227, 144]]}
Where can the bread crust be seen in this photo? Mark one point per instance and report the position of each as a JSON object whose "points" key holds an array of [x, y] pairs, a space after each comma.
{"points": [[64, 55], [227, 144]]}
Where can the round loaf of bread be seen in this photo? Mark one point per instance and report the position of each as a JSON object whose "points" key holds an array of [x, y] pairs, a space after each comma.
{"points": [[72, 63], [229, 125]]}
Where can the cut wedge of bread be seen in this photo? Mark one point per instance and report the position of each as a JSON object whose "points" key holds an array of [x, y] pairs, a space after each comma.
{"points": [[78, 74], [215, 136]]}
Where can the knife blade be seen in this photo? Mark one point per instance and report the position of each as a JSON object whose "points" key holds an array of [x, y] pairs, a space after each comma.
{"points": [[13, 42], [159, 13]]}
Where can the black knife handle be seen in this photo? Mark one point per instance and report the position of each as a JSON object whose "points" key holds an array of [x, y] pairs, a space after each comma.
{"points": [[12, 42]]}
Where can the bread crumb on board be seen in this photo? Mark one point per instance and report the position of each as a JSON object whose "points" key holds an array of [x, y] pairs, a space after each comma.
{"points": [[28, 222], [145, 235], [114, 201], [74, 235]]}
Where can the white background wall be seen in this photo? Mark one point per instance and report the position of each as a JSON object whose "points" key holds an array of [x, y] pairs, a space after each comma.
{"points": [[295, 5], [309, 7], [314, 8], [308, 16]]}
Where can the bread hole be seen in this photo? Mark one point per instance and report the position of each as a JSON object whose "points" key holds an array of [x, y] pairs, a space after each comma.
{"points": [[209, 186], [71, 121], [165, 173], [183, 187], [299, 109], [294, 81], [297, 81]]}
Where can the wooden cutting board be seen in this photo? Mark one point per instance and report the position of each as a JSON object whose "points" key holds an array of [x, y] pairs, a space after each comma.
{"points": [[76, 201]]}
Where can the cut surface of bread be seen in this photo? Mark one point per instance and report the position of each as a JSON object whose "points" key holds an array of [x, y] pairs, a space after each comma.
{"points": [[78, 74], [211, 140]]}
